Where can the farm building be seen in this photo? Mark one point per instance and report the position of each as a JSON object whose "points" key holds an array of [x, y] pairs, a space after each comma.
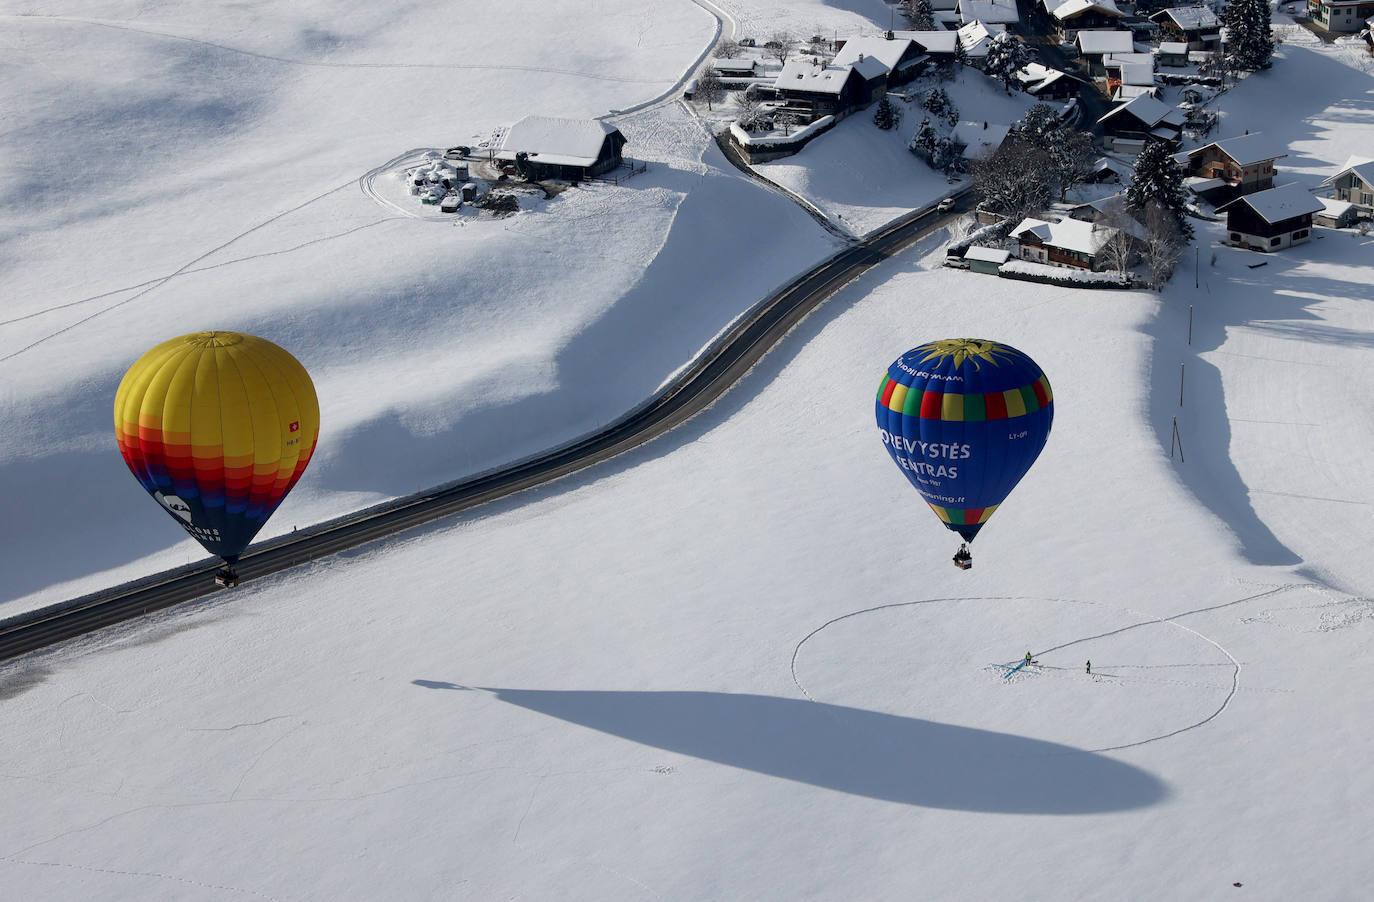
{"points": [[563, 148]]}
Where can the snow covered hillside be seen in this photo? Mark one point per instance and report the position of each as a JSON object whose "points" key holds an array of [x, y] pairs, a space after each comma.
{"points": [[732, 664]]}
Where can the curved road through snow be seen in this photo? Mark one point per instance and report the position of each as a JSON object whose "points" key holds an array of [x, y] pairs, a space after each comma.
{"points": [[713, 373]]}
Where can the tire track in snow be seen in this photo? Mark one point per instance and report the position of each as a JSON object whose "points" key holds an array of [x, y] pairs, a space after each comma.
{"points": [[1171, 620]]}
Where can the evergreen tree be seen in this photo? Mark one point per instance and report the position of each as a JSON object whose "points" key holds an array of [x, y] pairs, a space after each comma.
{"points": [[1158, 178], [938, 102], [920, 14], [923, 141], [1006, 56], [884, 116], [1249, 40]]}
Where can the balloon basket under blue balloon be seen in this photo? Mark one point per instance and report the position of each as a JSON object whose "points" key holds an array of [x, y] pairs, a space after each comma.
{"points": [[963, 558], [226, 578]]}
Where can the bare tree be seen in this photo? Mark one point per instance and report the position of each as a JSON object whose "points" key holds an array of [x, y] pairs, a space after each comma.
{"points": [[728, 49], [1122, 248], [1011, 182], [1164, 242], [785, 120], [779, 46], [709, 87]]}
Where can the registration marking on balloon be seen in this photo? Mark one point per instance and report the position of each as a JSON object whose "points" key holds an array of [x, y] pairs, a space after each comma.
{"points": [[945, 659]]}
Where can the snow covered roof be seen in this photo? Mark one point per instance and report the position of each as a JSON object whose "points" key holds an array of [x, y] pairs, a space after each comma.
{"points": [[1361, 166], [1132, 71], [889, 53], [989, 12], [1036, 77], [1173, 48], [979, 137], [804, 75], [1125, 92], [932, 41], [870, 67], [1071, 8], [986, 254], [1278, 204], [571, 142], [1334, 207], [740, 66], [974, 38], [1188, 18], [1246, 149], [1105, 41], [1148, 110], [1069, 234]]}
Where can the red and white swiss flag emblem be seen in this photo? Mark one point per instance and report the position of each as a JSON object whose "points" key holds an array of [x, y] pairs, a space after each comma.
{"points": [[294, 427]]}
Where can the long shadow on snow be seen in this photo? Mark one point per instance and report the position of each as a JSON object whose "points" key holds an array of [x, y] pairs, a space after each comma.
{"points": [[650, 336], [863, 753], [1278, 295]]}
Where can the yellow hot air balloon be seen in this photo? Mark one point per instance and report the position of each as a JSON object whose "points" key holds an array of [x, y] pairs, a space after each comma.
{"points": [[217, 427]]}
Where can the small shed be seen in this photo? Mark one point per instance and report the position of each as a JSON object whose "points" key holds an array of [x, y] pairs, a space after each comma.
{"points": [[1336, 214], [986, 260], [451, 202]]}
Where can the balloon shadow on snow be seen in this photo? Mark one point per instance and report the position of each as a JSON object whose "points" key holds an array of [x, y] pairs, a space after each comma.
{"points": [[850, 750]]}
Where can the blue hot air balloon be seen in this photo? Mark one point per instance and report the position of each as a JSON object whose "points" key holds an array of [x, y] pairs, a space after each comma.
{"points": [[964, 418]]}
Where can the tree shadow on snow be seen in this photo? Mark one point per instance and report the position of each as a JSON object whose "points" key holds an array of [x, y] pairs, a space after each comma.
{"points": [[1276, 297], [850, 750]]}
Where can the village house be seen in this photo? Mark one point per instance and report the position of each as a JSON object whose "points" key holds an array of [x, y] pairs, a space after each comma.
{"points": [[812, 89], [1271, 220], [1355, 185], [1346, 16], [1072, 17], [1173, 53], [1071, 243], [989, 12], [562, 148], [902, 56], [1196, 26], [1044, 83], [1228, 168], [1127, 127], [1094, 46], [974, 140], [1128, 75]]}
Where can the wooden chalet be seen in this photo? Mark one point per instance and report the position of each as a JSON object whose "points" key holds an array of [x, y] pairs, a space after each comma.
{"points": [[1196, 26], [1271, 220], [1233, 166], [1127, 127], [1071, 243], [902, 56], [1073, 16], [811, 90], [1095, 46]]}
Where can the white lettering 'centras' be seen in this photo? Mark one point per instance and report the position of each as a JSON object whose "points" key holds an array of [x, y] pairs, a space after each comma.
{"points": [[933, 450]]}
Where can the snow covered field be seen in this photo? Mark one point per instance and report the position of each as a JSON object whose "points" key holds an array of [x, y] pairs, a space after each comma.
{"points": [[736, 663]]}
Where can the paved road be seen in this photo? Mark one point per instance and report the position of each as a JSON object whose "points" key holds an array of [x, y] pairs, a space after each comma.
{"points": [[720, 367]]}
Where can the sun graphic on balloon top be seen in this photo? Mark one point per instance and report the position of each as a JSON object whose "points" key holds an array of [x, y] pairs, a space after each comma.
{"points": [[961, 349]]}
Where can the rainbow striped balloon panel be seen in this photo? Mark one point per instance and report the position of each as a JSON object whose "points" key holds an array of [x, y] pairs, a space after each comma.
{"points": [[217, 427]]}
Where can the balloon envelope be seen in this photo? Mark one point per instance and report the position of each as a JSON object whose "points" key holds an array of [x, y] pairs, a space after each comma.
{"points": [[217, 427], [964, 418]]}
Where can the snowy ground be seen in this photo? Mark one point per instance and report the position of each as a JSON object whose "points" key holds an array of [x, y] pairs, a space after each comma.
{"points": [[735, 663]]}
